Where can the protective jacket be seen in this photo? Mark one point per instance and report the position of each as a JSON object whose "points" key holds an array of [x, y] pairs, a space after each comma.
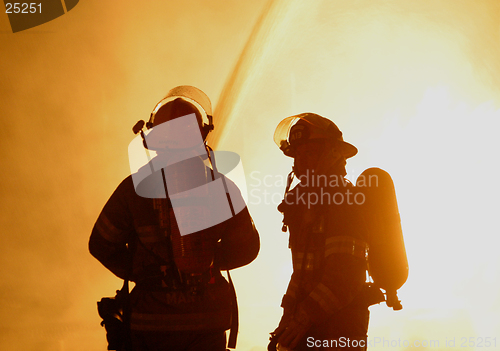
{"points": [[131, 239], [327, 240]]}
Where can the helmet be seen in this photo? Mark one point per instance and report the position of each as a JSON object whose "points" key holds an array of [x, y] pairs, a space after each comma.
{"points": [[305, 127], [180, 101]]}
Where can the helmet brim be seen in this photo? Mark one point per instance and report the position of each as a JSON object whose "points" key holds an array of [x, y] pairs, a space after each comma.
{"points": [[348, 150], [329, 132]]}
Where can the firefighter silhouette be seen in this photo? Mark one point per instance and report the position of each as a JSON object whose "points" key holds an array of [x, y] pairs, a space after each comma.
{"points": [[327, 298], [172, 226]]}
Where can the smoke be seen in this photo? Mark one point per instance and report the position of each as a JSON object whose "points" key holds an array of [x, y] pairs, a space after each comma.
{"points": [[412, 84], [71, 91]]}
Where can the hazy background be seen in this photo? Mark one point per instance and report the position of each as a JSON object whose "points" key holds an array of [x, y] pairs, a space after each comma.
{"points": [[413, 84]]}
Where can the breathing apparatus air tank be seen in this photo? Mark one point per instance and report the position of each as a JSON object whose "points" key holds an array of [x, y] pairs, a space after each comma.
{"points": [[387, 261]]}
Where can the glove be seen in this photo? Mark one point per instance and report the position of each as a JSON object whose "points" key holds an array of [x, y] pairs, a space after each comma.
{"points": [[294, 330], [285, 320], [288, 303]]}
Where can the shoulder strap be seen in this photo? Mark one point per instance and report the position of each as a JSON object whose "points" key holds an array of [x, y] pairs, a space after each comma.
{"points": [[125, 295], [233, 334]]}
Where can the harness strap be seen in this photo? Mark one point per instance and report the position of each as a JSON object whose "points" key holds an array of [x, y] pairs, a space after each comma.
{"points": [[348, 245], [233, 334]]}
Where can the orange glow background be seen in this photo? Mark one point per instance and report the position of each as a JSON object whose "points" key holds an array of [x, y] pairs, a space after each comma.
{"points": [[413, 84]]}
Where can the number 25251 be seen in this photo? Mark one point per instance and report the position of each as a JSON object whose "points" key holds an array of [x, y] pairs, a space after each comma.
{"points": [[23, 7]]}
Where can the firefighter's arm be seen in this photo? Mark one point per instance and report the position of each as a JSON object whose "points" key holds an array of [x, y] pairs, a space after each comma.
{"points": [[295, 322], [344, 269], [113, 256], [240, 242], [111, 232], [288, 303], [340, 283]]}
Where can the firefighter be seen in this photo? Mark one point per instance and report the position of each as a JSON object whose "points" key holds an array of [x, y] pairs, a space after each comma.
{"points": [[323, 305], [180, 300]]}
